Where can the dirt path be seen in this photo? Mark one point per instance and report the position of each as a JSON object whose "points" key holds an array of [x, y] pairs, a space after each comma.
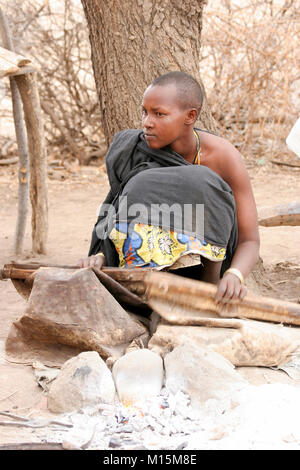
{"points": [[74, 197]]}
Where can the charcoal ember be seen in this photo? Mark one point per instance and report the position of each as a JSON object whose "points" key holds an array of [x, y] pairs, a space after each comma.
{"points": [[182, 446], [125, 429], [115, 443]]}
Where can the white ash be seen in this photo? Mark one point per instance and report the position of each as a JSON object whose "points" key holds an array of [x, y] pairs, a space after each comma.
{"points": [[264, 416]]}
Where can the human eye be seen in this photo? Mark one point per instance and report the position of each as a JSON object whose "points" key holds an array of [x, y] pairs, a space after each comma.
{"points": [[159, 114]]}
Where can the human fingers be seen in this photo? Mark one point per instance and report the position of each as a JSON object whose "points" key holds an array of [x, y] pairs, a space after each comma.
{"points": [[83, 262], [243, 292], [221, 291], [239, 292], [98, 262], [92, 261], [86, 262], [229, 289]]}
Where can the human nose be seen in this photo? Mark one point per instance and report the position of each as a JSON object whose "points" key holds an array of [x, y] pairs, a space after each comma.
{"points": [[147, 121]]}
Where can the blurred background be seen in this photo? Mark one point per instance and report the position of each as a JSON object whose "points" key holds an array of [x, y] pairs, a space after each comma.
{"points": [[249, 64]]}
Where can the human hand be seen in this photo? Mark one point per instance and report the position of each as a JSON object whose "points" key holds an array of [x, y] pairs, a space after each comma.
{"points": [[230, 288], [96, 261]]}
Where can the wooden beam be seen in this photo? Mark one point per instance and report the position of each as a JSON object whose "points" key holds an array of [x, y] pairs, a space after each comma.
{"points": [[174, 297], [13, 58], [24, 70], [6, 68], [22, 276], [284, 214]]}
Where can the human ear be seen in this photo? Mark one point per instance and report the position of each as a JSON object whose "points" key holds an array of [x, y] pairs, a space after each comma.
{"points": [[191, 116]]}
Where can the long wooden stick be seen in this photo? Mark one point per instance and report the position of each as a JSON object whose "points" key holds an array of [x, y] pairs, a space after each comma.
{"points": [[284, 214], [125, 284], [175, 298], [24, 271]]}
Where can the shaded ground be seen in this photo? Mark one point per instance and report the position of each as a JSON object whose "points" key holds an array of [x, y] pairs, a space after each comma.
{"points": [[74, 197]]}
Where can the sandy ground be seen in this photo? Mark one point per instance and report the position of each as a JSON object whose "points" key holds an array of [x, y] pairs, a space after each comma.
{"points": [[74, 197]]}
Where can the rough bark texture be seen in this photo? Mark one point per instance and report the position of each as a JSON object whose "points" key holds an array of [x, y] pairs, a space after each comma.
{"points": [[136, 41], [38, 164]]}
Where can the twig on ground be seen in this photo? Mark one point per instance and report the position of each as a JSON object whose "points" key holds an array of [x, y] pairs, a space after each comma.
{"points": [[12, 415], [31, 422], [33, 446], [277, 162], [6, 398]]}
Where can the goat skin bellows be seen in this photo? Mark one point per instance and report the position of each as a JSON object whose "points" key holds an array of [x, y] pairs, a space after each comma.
{"points": [[71, 308]]}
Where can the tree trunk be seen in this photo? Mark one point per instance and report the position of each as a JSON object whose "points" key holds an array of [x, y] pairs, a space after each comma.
{"points": [[135, 41]]}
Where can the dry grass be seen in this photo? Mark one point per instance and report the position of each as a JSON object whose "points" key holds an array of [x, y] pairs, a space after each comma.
{"points": [[249, 65], [55, 35], [251, 69]]}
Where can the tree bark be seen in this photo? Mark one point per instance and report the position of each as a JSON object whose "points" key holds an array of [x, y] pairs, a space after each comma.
{"points": [[135, 41]]}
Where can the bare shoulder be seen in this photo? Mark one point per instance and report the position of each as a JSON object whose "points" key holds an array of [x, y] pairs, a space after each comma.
{"points": [[222, 157], [218, 146]]}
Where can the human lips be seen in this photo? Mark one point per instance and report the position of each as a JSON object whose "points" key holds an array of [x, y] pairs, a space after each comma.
{"points": [[149, 136]]}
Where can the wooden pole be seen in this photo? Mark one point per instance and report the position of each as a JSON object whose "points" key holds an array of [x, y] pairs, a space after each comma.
{"points": [[284, 214], [23, 192], [38, 165], [178, 299]]}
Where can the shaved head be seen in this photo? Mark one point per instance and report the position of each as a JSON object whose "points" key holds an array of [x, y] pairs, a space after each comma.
{"points": [[189, 91]]}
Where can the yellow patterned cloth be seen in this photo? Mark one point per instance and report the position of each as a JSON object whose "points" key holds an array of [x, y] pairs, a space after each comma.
{"points": [[144, 245]]}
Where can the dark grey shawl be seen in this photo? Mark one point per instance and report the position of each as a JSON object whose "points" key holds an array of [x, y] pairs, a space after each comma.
{"points": [[148, 177]]}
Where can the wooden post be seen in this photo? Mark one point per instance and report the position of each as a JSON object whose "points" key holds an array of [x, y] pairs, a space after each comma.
{"points": [[23, 196], [37, 155]]}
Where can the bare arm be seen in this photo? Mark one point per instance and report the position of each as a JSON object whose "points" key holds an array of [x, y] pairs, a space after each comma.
{"points": [[234, 172]]}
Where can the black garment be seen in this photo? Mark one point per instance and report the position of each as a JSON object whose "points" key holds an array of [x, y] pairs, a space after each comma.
{"points": [[148, 176]]}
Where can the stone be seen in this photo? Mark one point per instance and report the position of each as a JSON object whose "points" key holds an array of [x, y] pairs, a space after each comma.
{"points": [[259, 344], [167, 337], [201, 373], [84, 381], [254, 343], [138, 376]]}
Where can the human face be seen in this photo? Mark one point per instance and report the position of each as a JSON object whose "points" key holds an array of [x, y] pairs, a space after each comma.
{"points": [[163, 119]]}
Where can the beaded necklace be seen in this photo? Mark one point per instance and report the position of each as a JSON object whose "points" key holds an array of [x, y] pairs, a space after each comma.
{"points": [[198, 155]]}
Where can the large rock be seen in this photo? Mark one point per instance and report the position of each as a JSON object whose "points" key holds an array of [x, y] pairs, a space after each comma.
{"points": [[201, 373], [84, 381], [138, 375], [260, 344], [253, 343]]}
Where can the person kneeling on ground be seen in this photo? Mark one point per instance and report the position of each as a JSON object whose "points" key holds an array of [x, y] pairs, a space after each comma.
{"points": [[172, 166]]}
